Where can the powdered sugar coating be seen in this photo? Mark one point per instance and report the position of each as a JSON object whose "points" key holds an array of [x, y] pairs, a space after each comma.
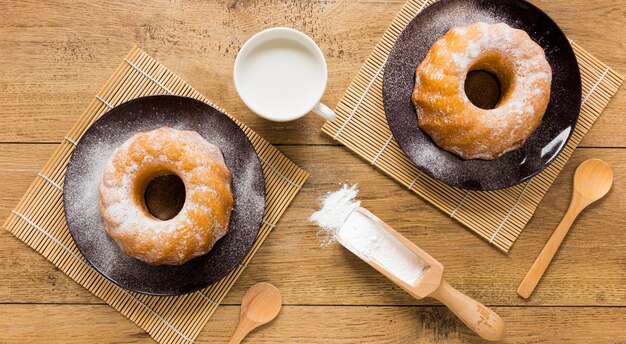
{"points": [[201, 222], [449, 117]]}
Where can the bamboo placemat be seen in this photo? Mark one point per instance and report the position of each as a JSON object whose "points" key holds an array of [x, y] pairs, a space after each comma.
{"points": [[497, 216], [39, 221]]}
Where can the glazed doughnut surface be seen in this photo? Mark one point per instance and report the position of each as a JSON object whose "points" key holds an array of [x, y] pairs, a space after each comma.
{"points": [[205, 215], [449, 117]]}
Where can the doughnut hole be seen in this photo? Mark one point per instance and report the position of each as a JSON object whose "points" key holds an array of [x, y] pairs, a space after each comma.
{"points": [[489, 81], [483, 89], [163, 195]]}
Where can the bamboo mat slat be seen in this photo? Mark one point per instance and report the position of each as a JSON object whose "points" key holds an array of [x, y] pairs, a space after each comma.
{"points": [[497, 216], [39, 221]]}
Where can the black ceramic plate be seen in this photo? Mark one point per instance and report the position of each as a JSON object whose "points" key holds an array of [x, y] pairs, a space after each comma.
{"points": [[543, 145], [85, 168]]}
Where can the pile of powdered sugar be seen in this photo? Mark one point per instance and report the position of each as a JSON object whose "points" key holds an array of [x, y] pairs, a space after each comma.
{"points": [[336, 207]]}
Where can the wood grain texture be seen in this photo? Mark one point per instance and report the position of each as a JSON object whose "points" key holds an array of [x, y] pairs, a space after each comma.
{"points": [[316, 324], [56, 54], [307, 274]]}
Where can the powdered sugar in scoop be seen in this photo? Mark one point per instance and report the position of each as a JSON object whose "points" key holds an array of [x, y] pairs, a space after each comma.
{"points": [[364, 235]]}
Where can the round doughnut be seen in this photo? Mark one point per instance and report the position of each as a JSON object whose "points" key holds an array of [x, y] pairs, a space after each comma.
{"points": [[208, 203], [447, 115]]}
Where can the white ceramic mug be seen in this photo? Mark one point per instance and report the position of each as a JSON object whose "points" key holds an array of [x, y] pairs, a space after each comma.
{"points": [[281, 74]]}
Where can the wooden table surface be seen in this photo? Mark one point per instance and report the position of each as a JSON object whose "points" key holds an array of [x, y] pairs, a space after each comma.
{"points": [[55, 55]]}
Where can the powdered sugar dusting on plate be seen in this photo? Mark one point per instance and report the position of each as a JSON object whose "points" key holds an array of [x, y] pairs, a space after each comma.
{"points": [[399, 80], [85, 171]]}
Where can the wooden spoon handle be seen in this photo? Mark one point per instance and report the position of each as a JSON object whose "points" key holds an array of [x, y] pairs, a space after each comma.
{"points": [[547, 253], [480, 319], [242, 331]]}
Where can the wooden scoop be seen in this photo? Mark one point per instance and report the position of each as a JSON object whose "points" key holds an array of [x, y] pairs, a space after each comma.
{"points": [[592, 180], [480, 319], [260, 305]]}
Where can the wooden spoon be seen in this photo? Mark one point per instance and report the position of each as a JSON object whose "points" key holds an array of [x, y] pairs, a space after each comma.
{"points": [[260, 305], [592, 180], [480, 319]]}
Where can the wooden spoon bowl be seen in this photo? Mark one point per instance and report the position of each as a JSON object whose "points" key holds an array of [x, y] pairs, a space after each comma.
{"points": [[593, 180], [260, 305]]}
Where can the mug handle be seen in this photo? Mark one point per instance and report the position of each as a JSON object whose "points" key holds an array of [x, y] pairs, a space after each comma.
{"points": [[324, 112]]}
